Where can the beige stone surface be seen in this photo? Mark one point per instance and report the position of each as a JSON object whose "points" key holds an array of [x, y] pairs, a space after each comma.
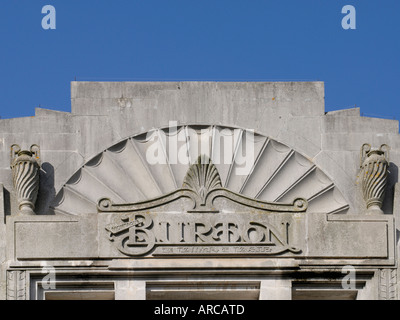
{"points": [[99, 151]]}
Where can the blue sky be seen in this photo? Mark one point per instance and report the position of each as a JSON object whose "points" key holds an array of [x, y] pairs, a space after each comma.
{"points": [[219, 40]]}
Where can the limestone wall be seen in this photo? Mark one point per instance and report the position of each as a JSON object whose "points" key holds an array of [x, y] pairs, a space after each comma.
{"points": [[104, 113]]}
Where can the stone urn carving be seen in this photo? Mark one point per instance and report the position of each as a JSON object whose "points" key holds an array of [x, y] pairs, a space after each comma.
{"points": [[25, 165], [374, 165]]}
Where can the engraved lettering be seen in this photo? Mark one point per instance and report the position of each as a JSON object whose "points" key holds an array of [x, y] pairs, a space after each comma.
{"points": [[140, 234], [164, 234], [181, 232], [226, 232], [200, 231]]}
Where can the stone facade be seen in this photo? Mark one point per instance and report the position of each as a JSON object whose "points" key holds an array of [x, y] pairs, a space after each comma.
{"points": [[199, 190]]}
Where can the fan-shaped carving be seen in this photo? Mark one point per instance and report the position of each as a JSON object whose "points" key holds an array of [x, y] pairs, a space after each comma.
{"points": [[157, 163], [202, 177]]}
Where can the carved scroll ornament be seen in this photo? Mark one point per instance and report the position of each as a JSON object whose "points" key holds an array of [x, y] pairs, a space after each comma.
{"points": [[204, 228], [374, 165], [202, 185], [25, 165]]}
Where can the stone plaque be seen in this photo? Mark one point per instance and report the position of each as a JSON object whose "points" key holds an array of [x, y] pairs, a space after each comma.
{"points": [[201, 218], [199, 234]]}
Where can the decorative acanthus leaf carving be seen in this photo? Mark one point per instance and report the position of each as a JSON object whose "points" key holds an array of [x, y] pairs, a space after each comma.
{"points": [[202, 177], [25, 167], [374, 165]]}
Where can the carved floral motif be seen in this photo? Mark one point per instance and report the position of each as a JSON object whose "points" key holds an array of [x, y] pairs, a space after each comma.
{"points": [[202, 177]]}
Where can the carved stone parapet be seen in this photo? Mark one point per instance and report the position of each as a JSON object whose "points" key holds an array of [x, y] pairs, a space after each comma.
{"points": [[374, 165], [25, 165]]}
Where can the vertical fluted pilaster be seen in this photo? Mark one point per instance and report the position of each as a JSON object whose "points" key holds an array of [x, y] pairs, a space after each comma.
{"points": [[374, 166], [25, 169]]}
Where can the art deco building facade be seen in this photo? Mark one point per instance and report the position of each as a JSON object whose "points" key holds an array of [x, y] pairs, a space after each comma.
{"points": [[199, 190]]}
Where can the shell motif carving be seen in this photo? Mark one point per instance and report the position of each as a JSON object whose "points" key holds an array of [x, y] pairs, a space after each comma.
{"points": [[25, 165], [275, 173], [374, 165], [202, 177]]}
